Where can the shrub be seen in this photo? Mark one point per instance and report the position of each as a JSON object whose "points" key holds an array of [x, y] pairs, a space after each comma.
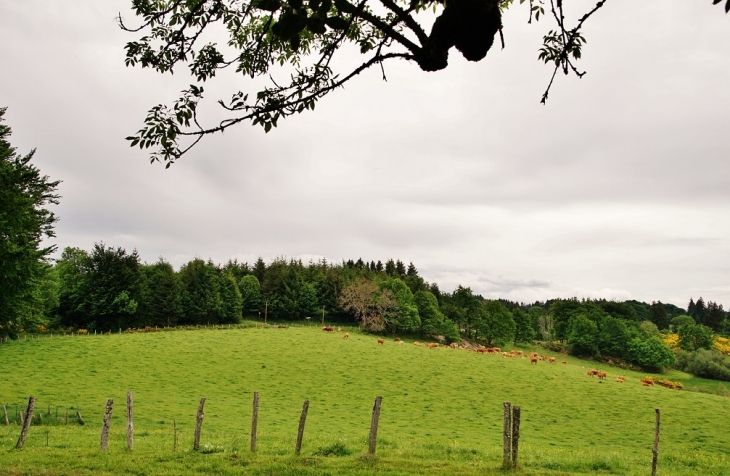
{"points": [[680, 321], [704, 363], [651, 353]]}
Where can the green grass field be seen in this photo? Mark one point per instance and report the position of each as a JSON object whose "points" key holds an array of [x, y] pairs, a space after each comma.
{"points": [[441, 412]]}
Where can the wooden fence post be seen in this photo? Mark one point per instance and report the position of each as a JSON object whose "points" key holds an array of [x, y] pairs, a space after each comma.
{"points": [[655, 450], [78, 417], [507, 436], [26, 423], [130, 424], [254, 421], [515, 434], [105, 427], [5, 416], [199, 424], [374, 425], [302, 421], [66, 421]]}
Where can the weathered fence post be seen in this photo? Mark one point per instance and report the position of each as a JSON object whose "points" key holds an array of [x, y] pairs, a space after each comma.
{"points": [[130, 424], [105, 427], [26, 423], [254, 421], [515, 434], [507, 436], [302, 421], [374, 425], [5, 415], [174, 435], [655, 450], [78, 417], [66, 421], [21, 420], [199, 424]]}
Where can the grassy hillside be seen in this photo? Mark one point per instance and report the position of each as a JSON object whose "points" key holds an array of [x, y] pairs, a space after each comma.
{"points": [[441, 414]]}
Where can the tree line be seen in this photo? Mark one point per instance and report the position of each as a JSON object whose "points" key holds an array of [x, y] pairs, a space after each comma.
{"points": [[108, 288]]}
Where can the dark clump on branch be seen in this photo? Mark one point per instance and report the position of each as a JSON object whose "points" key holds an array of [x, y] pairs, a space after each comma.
{"points": [[470, 25]]}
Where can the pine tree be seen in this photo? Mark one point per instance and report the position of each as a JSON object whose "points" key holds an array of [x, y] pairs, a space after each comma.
{"points": [[390, 268], [658, 315], [691, 307], [400, 268], [259, 269], [379, 266], [715, 315], [700, 311], [412, 271]]}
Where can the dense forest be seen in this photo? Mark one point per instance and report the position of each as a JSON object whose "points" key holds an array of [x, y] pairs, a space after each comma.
{"points": [[109, 289]]}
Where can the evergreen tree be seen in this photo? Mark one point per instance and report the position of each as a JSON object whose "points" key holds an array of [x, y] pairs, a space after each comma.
{"points": [[259, 269], [400, 269], [24, 223], [715, 315], [390, 268], [110, 290], [412, 271], [200, 295], [229, 311], [71, 269], [691, 308], [700, 311], [379, 266], [162, 305], [659, 315]]}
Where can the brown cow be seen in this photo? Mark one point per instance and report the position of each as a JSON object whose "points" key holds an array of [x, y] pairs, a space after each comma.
{"points": [[563, 362], [397, 339], [602, 375], [533, 360], [592, 372], [552, 360], [346, 336], [381, 342]]}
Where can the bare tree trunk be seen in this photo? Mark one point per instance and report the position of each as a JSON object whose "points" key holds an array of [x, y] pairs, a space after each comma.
{"points": [[302, 421], [507, 436], [374, 425], [199, 424], [105, 427], [5, 416], [254, 421], [26, 422], [130, 424]]}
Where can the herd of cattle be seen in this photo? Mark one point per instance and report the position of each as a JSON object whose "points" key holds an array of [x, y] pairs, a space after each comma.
{"points": [[533, 356]]}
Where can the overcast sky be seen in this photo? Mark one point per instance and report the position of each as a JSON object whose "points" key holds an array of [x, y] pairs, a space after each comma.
{"points": [[618, 188]]}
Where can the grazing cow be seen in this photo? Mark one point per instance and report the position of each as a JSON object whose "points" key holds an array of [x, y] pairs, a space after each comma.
{"points": [[620, 379], [400, 342], [533, 360], [432, 346], [328, 329], [346, 335], [397, 339], [417, 344], [602, 375], [381, 342], [592, 372], [454, 345], [517, 352], [552, 360], [481, 350], [563, 362]]}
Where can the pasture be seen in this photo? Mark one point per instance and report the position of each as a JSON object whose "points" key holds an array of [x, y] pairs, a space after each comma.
{"points": [[441, 412]]}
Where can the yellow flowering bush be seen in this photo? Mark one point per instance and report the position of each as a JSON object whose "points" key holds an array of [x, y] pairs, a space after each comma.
{"points": [[722, 344], [672, 340]]}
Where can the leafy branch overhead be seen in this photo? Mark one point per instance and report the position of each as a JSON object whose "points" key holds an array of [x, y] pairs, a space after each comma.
{"points": [[300, 38]]}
